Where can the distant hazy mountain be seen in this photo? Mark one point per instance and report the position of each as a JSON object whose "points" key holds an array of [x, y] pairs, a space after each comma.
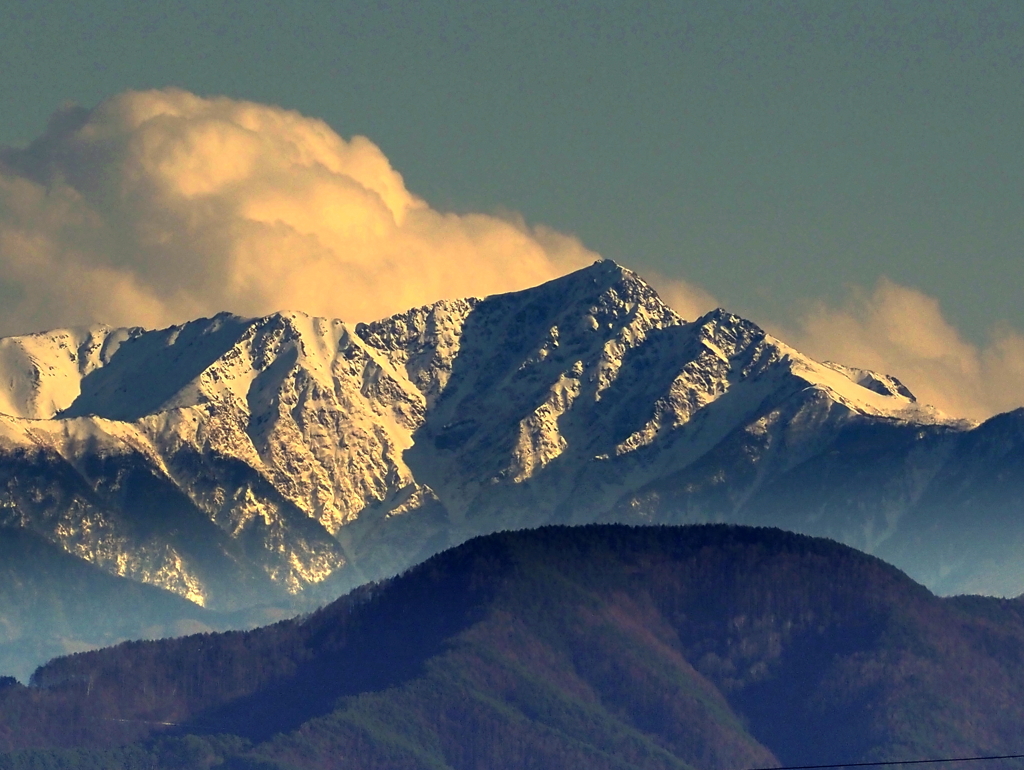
{"points": [[53, 603], [285, 459], [710, 647]]}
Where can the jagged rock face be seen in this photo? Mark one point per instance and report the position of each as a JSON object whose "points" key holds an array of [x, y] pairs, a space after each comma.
{"points": [[236, 461], [217, 459]]}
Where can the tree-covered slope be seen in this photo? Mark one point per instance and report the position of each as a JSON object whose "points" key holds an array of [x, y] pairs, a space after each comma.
{"points": [[603, 646]]}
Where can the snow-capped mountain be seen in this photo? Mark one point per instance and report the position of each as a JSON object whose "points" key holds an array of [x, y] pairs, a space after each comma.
{"points": [[235, 461]]}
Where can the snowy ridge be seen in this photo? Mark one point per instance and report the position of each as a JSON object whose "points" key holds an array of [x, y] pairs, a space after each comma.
{"points": [[234, 459], [41, 374], [867, 392]]}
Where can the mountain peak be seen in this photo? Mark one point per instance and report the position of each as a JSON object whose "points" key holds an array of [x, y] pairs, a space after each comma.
{"points": [[720, 316], [605, 268], [595, 280]]}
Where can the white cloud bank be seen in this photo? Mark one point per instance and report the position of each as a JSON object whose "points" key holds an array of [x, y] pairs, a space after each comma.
{"points": [[901, 331], [160, 206]]}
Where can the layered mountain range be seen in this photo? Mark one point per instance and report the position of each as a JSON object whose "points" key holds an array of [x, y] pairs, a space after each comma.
{"points": [[283, 460]]}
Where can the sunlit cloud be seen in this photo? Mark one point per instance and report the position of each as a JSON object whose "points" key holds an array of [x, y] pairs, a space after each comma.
{"points": [[901, 331], [687, 299], [160, 206]]}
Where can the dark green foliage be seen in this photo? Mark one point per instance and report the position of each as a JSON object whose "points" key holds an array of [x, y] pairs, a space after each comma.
{"points": [[600, 647], [186, 753]]}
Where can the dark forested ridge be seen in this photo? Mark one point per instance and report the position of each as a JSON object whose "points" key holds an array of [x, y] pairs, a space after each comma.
{"points": [[711, 647]]}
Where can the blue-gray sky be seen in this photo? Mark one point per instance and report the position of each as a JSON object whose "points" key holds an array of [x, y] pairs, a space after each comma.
{"points": [[775, 154]]}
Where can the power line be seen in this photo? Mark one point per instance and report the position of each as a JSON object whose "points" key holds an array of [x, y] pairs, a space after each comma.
{"points": [[893, 762]]}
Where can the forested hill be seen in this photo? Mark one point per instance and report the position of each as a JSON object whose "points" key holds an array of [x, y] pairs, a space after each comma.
{"points": [[711, 647]]}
